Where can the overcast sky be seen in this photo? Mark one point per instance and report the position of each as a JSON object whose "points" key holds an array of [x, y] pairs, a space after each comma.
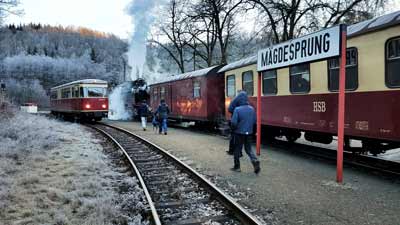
{"points": [[102, 15]]}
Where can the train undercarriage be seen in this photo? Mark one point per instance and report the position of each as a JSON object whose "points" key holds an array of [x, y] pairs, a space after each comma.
{"points": [[81, 116], [363, 145]]}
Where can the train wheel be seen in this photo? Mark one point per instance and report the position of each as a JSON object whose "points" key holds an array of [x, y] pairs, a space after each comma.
{"points": [[292, 135], [291, 138], [372, 147]]}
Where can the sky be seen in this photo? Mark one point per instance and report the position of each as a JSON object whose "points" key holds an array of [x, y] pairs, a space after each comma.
{"points": [[108, 16], [103, 15]]}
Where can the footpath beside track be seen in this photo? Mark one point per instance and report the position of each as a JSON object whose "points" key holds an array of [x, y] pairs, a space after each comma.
{"points": [[176, 193], [366, 162]]}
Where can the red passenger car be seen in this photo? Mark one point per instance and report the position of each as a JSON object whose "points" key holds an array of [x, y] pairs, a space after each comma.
{"points": [[193, 96], [303, 98], [82, 99]]}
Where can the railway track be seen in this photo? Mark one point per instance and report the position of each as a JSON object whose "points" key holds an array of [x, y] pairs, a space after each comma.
{"points": [[176, 194]]}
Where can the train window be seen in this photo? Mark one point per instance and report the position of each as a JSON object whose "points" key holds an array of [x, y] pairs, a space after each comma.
{"points": [[230, 86], [393, 62], [300, 78], [53, 95], [196, 89], [247, 83], [269, 82], [162, 93], [351, 71], [155, 94], [95, 92], [66, 93], [75, 93]]}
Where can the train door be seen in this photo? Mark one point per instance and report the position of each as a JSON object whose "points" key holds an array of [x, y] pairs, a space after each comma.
{"points": [[170, 97]]}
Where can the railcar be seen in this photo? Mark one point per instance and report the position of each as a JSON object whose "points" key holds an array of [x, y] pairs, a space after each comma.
{"points": [[304, 98], [82, 99], [194, 96]]}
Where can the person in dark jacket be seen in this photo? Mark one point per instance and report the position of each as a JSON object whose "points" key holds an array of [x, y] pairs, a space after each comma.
{"points": [[143, 112], [243, 120], [234, 103], [162, 115]]}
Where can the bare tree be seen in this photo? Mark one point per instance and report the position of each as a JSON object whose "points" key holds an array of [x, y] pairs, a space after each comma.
{"points": [[8, 7], [350, 12], [204, 39], [289, 18], [222, 14], [174, 29]]}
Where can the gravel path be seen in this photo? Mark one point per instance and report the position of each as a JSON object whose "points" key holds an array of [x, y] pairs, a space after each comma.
{"points": [[291, 189]]}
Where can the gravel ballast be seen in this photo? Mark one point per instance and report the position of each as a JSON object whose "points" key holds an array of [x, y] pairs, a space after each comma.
{"points": [[291, 188]]}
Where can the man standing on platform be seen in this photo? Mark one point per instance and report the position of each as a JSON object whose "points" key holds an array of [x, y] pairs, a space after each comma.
{"points": [[243, 120], [241, 96]]}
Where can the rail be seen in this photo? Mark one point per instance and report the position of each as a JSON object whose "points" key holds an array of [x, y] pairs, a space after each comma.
{"points": [[167, 164]]}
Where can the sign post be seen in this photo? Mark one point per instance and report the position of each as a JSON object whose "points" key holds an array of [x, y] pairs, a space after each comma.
{"points": [[2, 91], [258, 141], [324, 44], [341, 105]]}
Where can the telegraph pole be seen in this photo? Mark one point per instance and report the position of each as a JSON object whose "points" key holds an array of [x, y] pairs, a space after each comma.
{"points": [[2, 92]]}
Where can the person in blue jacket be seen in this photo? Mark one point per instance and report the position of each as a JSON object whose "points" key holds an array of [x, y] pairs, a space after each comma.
{"points": [[243, 120], [242, 95], [143, 112], [162, 115]]}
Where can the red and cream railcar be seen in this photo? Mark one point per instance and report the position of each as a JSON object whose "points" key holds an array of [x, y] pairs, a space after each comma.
{"points": [[303, 98], [82, 99], [193, 96]]}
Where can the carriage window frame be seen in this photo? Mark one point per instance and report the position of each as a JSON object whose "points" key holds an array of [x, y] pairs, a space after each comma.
{"points": [[275, 77], [94, 92], [252, 82], [162, 93], [348, 69], [53, 95], [396, 58], [228, 85], [196, 89], [75, 92], [293, 74], [155, 93], [66, 93]]}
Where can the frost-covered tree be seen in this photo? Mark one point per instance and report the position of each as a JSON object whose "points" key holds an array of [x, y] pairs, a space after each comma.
{"points": [[8, 7], [56, 55], [22, 91]]}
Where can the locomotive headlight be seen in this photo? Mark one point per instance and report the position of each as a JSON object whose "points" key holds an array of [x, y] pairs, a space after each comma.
{"points": [[87, 106], [104, 106]]}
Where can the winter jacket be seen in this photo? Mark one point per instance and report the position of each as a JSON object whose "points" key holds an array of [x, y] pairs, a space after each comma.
{"points": [[162, 111], [244, 117], [143, 110], [240, 98]]}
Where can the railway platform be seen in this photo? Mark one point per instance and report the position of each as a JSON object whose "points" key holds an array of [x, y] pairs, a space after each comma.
{"points": [[291, 188]]}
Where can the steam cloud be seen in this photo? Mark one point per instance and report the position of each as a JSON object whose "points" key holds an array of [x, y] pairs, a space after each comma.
{"points": [[120, 102], [142, 13]]}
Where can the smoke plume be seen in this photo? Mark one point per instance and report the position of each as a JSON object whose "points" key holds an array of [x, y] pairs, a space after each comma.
{"points": [[143, 15], [120, 102]]}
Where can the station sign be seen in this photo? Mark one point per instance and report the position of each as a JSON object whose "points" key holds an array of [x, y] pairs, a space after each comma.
{"points": [[313, 47]]}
